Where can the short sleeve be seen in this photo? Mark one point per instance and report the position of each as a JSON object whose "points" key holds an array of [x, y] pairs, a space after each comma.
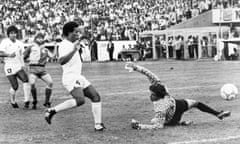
{"points": [[64, 49], [3, 45], [21, 44]]}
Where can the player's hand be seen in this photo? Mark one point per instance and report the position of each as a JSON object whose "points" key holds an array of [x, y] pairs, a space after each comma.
{"points": [[159, 126], [186, 123], [130, 66], [77, 45], [12, 55]]}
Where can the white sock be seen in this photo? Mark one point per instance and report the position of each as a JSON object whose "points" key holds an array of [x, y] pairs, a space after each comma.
{"points": [[26, 91], [97, 112], [12, 95], [71, 103]]}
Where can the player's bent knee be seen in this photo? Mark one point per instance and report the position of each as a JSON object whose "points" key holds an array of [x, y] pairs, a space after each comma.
{"points": [[12, 91], [15, 87], [92, 94], [191, 103], [50, 85], [96, 98], [32, 86], [79, 100]]}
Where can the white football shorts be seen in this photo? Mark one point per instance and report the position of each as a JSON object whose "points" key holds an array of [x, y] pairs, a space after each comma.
{"points": [[12, 69], [71, 82]]}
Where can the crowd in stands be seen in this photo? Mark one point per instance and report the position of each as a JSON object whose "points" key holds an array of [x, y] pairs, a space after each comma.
{"points": [[104, 19]]}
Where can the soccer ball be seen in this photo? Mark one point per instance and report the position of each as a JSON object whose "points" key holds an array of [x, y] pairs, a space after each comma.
{"points": [[228, 91]]}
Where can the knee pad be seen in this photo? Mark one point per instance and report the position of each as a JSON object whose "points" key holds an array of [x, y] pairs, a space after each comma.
{"points": [[79, 100]]}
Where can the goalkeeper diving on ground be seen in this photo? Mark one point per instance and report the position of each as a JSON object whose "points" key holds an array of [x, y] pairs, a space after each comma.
{"points": [[168, 110]]}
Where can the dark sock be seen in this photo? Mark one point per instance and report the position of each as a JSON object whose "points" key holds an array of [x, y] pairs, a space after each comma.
{"points": [[48, 93], [34, 94], [204, 108]]}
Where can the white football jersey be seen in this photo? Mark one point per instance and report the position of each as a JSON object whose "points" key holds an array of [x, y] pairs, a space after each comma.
{"points": [[12, 64], [74, 66]]}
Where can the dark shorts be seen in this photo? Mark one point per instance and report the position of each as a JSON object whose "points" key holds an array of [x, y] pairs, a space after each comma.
{"points": [[39, 71], [181, 107], [22, 75]]}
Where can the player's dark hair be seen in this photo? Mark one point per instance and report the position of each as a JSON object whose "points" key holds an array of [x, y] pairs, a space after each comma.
{"points": [[159, 90], [69, 27], [12, 29]]}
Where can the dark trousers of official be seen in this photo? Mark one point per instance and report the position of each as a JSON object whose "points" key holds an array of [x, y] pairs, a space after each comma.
{"points": [[191, 51], [178, 54], [110, 55]]}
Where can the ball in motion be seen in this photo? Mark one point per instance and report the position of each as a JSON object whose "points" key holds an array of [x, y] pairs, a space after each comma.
{"points": [[228, 91]]}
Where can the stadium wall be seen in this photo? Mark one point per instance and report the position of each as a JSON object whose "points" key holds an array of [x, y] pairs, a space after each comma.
{"points": [[118, 46], [202, 20]]}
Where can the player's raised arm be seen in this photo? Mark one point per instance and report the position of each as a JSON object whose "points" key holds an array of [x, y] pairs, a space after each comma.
{"points": [[151, 76]]}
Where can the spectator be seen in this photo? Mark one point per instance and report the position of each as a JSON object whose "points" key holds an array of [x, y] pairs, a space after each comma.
{"points": [[235, 54], [178, 47], [147, 51], [93, 46], [190, 46], [204, 43], [118, 19], [110, 49]]}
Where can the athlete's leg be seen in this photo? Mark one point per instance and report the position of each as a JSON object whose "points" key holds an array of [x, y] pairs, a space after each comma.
{"points": [[22, 75], [181, 107], [32, 81], [14, 87], [48, 91], [77, 100], [205, 108], [93, 95]]}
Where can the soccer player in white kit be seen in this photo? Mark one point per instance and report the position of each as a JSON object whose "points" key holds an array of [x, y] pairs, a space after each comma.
{"points": [[77, 85], [12, 51]]}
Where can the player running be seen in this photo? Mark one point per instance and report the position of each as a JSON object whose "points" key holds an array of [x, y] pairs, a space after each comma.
{"points": [[77, 85], [168, 110], [38, 56], [12, 51]]}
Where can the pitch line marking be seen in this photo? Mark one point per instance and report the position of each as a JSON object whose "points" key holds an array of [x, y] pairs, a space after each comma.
{"points": [[143, 91], [133, 92], [207, 140]]}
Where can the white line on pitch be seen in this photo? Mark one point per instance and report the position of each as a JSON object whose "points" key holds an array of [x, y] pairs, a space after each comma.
{"points": [[132, 92], [143, 91], [207, 140]]}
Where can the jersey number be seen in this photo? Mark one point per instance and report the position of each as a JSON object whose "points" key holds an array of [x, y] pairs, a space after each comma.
{"points": [[78, 82]]}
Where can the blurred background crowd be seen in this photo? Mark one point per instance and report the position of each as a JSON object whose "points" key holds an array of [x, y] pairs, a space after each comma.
{"points": [[103, 19]]}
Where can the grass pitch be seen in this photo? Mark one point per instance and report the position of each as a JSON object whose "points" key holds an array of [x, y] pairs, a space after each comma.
{"points": [[125, 96]]}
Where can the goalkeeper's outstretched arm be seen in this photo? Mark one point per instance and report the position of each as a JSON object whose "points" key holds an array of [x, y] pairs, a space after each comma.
{"points": [[151, 76]]}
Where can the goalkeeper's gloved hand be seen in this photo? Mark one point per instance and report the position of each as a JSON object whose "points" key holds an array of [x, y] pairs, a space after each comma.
{"points": [[130, 66]]}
